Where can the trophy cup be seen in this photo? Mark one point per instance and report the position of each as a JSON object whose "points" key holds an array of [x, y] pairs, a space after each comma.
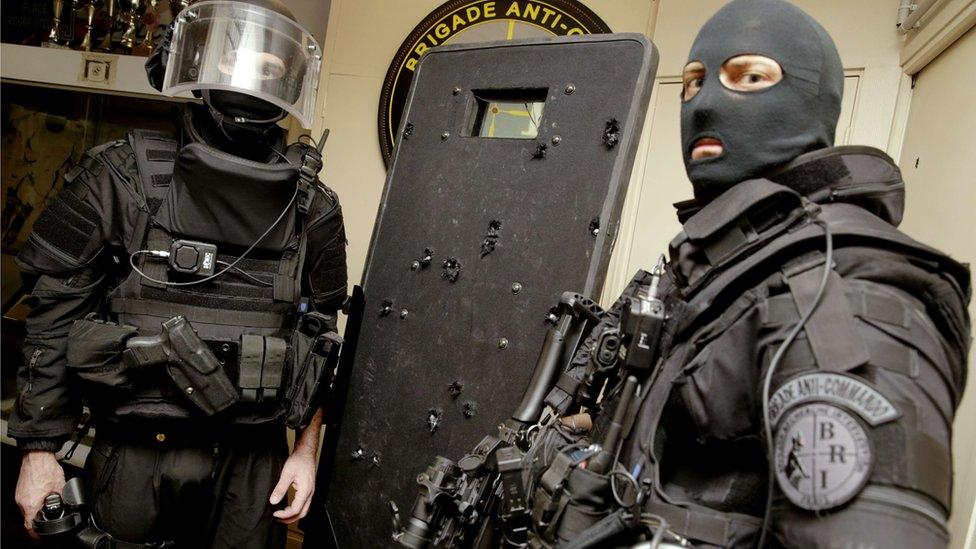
{"points": [[130, 10], [106, 44], [151, 20], [90, 6], [54, 38]]}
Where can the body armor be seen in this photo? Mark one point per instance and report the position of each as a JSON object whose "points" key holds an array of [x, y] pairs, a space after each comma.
{"points": [[133, 199]]}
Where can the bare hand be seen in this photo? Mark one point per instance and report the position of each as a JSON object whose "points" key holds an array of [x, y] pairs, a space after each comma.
{"points": [[579, 423], [40, 474], [299, 471]]}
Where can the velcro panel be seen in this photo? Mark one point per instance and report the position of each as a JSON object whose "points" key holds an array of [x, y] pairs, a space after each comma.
{"points": [[160, 155], [69, 224]]}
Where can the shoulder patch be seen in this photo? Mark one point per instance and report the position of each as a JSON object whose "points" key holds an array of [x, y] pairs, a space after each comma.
{"points": [[848, 391], [822, 455]]}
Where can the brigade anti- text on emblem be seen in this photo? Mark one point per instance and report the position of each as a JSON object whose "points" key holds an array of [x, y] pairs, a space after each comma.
{"points": [[823, 456]]}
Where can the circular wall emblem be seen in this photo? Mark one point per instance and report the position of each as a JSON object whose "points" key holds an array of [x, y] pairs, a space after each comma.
{"points": [[465, 21], [823, 456]]}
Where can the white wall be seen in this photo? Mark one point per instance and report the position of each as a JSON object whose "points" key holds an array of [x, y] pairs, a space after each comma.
{"points": [[937, 163]]}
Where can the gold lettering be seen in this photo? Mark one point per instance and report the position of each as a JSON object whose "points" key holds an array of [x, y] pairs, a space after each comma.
{"points": [[411, 64], [489, 10], [547, 13], [473, 14], [420, 49], [432, 40], [556, 20], [531, 12], [574, 30], [442, 31], [513, 10], [456, 22]]}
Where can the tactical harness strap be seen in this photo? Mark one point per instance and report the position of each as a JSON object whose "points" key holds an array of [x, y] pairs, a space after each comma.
{"points": [[829, 328], [164, 310]]}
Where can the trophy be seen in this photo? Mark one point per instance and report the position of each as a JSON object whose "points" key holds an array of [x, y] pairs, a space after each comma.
{"points": [[54, 38], [151, 20], [90, 6], [106, 44], [130, 11]]}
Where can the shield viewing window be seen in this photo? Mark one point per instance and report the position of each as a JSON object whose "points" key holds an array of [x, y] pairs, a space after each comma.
{"points": [[508, 114]]}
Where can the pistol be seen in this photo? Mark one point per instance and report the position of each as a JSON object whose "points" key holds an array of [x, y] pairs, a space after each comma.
{"points": [[189, 363]]}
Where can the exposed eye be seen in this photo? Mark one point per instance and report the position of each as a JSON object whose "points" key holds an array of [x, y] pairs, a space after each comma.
{"points": [[748, 73], [249, 65], [692, 78]]}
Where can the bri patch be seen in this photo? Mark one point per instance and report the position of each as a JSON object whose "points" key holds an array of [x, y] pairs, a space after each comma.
{"points": [[823, 456], [848, 391]]}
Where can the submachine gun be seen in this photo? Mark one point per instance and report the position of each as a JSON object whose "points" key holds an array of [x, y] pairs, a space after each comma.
{"points": [[480, 500]]}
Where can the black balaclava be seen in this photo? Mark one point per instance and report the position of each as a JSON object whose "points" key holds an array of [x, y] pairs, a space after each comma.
{"points": [[764, 129]]}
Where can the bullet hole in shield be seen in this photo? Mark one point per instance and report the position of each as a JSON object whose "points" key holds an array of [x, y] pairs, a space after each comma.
{"points": [[491, 239], [452, 269], [468, 409], [611, 134], [455, 389], [434, 419], [387, 307], [595, 226], [423, 262], [540, 151], [374, 459], [408, 130], [359, 454]]}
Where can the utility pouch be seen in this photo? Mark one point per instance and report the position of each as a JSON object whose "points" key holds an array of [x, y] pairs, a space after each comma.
{"points": [[94, 352], [314, 352], [261, 367], [589, 501]]}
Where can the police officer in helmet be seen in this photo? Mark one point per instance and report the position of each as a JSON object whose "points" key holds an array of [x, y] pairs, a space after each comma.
{"points": [[184, 287]]}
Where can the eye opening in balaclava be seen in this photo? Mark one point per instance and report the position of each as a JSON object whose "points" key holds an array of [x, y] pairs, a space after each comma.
{"points": [[760, 131], [773, 72]]}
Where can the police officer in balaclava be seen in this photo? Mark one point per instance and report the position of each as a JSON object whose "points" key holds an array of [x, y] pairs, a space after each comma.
{"points": [[184, 288], [813, 356]]}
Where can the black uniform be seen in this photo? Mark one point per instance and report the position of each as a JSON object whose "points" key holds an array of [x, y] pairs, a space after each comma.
{"points": [[861, 403], [160, 468]]}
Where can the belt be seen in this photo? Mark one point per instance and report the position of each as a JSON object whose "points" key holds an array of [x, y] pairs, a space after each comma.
{"points": [[201, 435]]}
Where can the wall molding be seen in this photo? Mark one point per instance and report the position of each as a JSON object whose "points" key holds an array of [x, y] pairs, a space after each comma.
{"points": [[953, 19]]}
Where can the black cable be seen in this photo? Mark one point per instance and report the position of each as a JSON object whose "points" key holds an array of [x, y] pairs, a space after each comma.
{"points": [[132, 257], [774, 364], [245, 273]]}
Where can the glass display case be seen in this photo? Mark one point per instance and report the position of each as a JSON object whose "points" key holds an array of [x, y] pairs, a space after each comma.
{"points": [[44, 133]]}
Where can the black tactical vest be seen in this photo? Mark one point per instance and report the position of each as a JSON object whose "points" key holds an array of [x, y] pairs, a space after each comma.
{"points": [[246, 316]]}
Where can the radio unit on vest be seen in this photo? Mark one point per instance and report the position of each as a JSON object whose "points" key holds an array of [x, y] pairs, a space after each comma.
{"points": [[192, 257]]}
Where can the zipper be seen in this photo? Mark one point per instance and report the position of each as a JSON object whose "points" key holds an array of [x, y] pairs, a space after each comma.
{"points": [[30, 368], [905, 500], [58, 254]]}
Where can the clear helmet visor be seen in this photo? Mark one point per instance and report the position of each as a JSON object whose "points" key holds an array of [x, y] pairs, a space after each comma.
{"points": [[233, 46]]}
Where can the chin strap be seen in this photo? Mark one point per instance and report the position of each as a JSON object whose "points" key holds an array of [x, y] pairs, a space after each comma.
{"points": [[250, 125]]}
